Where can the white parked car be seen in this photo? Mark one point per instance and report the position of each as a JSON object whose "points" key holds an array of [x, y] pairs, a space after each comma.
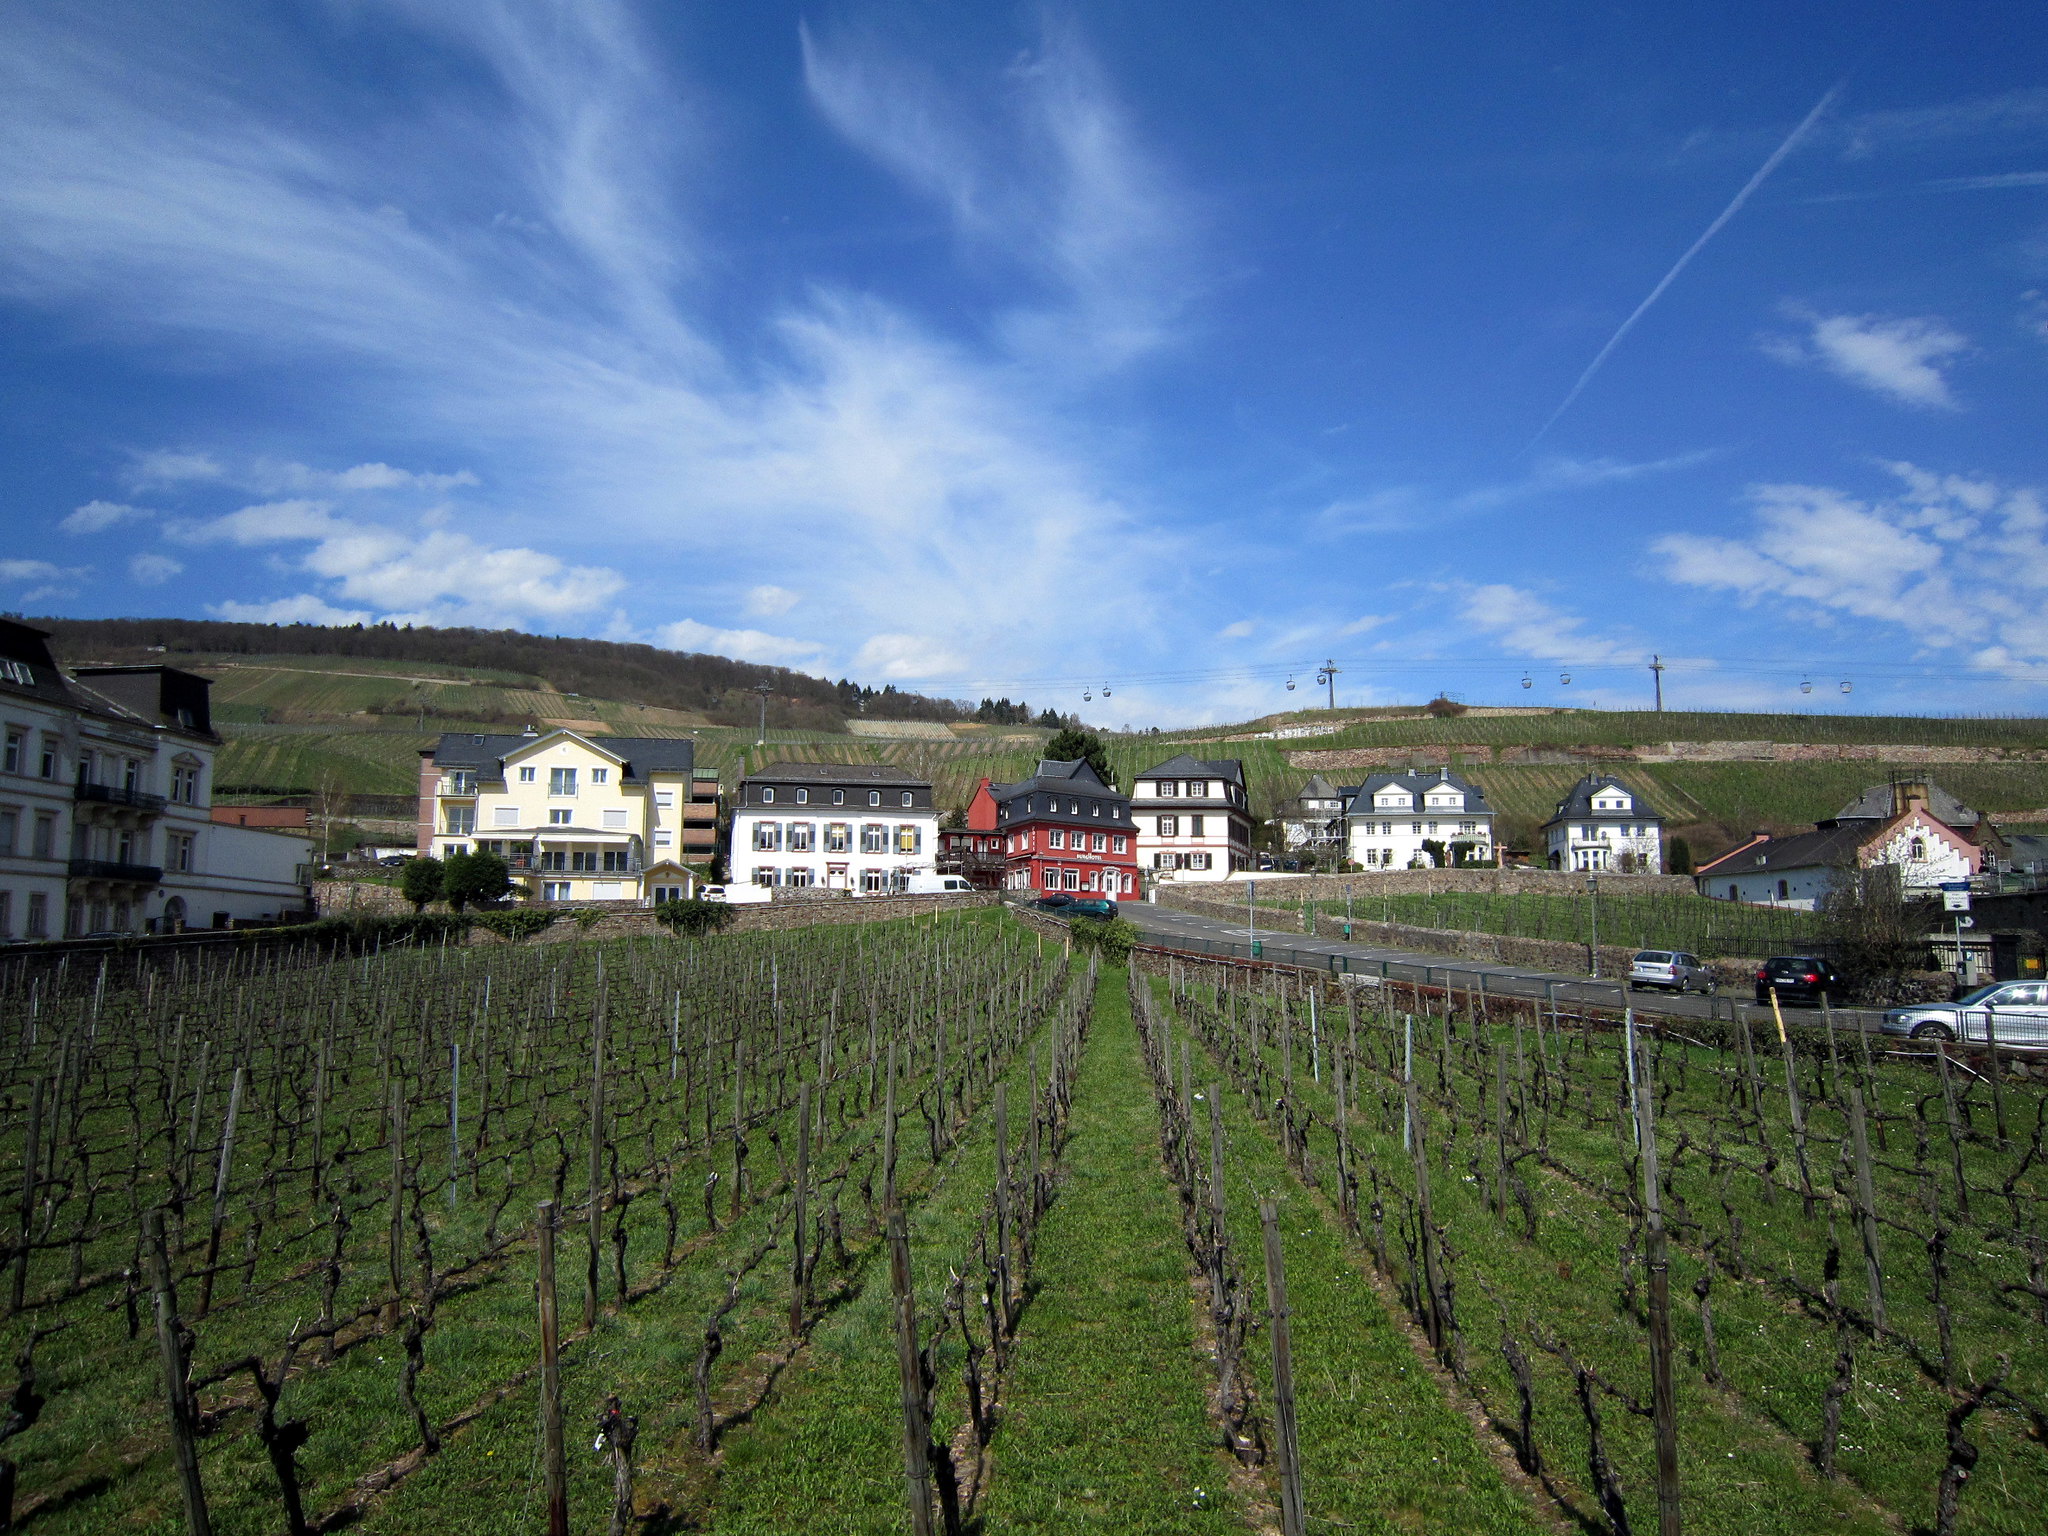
{"points": [[2016, 1011], [736, 895], [937, 885], [1671, 969]]}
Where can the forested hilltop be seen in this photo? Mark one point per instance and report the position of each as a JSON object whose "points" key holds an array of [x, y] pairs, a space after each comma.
{"points": [[715, 686]]}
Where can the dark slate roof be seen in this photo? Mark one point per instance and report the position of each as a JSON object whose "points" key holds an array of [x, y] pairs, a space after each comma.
{"points": [[1876, 804], [1054, 795], [835, 773], [1183, 766], [1835, 847], [2029, 851], [1077, 769], [1420, 783], [639, 755], [31, 647], [1577, 805]]}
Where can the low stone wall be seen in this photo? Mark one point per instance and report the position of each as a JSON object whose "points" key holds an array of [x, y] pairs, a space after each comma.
{"points": [[1515, 880], [360, 898], [633, 921]]}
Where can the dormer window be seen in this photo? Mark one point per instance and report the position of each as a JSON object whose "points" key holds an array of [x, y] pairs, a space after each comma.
{"points": [[839, 797], [803, 797], [767, 794], [874, 797], [906, 797], [1198, 788], [1169, 789]]}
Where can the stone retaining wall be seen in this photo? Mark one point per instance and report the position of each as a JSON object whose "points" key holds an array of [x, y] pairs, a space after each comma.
{"points": [[1512, 881]]}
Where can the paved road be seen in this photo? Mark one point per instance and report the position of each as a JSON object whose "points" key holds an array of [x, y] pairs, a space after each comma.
{"points": [[1291, 946]]}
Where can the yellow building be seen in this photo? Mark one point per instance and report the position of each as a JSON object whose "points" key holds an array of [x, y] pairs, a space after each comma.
{"points": [[578, 818]]}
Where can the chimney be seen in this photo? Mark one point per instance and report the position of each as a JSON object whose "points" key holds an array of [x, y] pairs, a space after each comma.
{"points": [[1907, 795]]}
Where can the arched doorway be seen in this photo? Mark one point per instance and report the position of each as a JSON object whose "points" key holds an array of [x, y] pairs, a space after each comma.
{"points": [[174, 915]]}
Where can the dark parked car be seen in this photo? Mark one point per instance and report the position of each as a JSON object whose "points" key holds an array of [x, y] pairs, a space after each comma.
{"points": [[1091, 906], [1797, 979], [1053, 903]]}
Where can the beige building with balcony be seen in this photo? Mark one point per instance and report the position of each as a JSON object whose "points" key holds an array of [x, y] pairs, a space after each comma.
{"points": [[576, 817]]}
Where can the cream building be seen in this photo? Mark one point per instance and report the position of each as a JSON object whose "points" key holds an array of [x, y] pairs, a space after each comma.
{"points": [[1392, 815], [1193, 819], [577, 818], [851, 827], [1602, 824]]}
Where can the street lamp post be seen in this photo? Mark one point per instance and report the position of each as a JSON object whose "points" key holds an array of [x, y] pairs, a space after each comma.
{"points": [[1593, 891]]}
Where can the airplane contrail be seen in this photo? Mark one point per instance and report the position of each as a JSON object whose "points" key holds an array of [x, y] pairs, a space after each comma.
{"points": [[1763, 172]]}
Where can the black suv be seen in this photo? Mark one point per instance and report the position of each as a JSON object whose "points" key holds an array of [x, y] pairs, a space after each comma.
{"points": [[1797, 979]]}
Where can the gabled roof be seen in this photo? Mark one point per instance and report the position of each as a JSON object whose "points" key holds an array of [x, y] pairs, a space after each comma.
{"points": [[1419, 784], [1879, 803], [638, 756], [832, 773], [1056, 768], [1318, 788], [1577, 805], [1834, 847], [1066, 784], [1184, 766]]}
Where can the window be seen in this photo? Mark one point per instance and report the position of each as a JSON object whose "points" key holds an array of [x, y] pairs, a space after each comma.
{"points": [[461, 781], [1468, 826], [6, 913], [1056, 838], [665, 893], [37, 925], [600, 775], [1432, 829], [1917, 849], [131, 775], [1198, 788], [504, 815], [1117, 844], [664, 839], [805, 875], [178, 852], [800, 835], [1169, 826], [1166, 861], [1095, 807], [874, 837], [455, 851], [561, 781], [18, 672], [767, 836], [1070, 879], [47, 767], [1415, 829], [1198, 861], [1169, 789], [803, 797], [615, 821], [618, 861], [1194, 826], [767, 794], [1099, 842], [44, 841], [461, 820], [10, 828], [17, 749], [554, 890], [526, 775], [874, 797], [663, 798], [909, 839], [838, 836], [558, 818], [553, 858], [583, 860], [1784, 891], [839, 797], [906, 799]]}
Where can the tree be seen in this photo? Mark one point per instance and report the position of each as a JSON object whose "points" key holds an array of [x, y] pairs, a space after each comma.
{"points": [[1071, 743], [1436, 850], [420, 881], [1872, 933], [1443, 708], [1681, 856], [956, 818], [474, 877]]}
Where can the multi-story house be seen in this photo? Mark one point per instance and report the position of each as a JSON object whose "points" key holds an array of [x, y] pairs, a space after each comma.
{"points": [[1393, 815], [1602, 824], [577, 818], [975, 848], [1312, 823], [1917, 828], [1065, 830], [1193, 820], [105, 806], [865, 828]]}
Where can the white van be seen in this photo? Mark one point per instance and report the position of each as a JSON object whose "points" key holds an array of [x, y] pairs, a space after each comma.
{"points": [[937, 885], [736, 895]]}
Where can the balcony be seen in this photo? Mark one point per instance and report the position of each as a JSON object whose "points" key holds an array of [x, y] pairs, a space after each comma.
{"points": [[115, 794], [461, 785], [543, 864], [113, 869]]}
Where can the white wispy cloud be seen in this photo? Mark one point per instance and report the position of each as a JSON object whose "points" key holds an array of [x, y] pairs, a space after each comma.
{"points": [[153, 570], [913, 486], [1528, 625], [99, 516], [742, 644], [1401, 508], [1902, 359], [303, 609], [1955, 561], [768, 601], [40, 579]]}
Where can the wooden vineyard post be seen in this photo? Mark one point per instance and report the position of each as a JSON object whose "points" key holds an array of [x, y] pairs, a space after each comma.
{"points": [[1997, 1074], [1292, 1521], [29, 1154], [1425, 1216], [1866, 1197], [917, 1469], [554, 1461], [797, 1296], [1003, 1199], [1798, 1111], [1037, 1207], [177, 1388], [889, 1132], [220, 1196], [1663, 1402], [595, 1225]]}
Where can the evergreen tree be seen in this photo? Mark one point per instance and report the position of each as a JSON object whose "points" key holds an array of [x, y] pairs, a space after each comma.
{"points": [[420, 881], [1072, 743]]}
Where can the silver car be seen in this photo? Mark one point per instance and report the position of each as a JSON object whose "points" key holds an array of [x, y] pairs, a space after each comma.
{"points": [[2015, 1011], [1671, 969]]}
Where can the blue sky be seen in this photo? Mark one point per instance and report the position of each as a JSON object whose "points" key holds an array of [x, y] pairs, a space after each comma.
{"points": [[992, 350]]}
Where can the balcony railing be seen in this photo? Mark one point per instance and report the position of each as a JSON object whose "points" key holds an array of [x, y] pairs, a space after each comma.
{"points": [[539, 864], [115, 794], [113, 869]]}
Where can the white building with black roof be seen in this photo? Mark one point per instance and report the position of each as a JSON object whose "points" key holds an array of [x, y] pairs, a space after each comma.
{"points": [[1602, 824], [1393, 815], [1193, 819], [861, 827]]}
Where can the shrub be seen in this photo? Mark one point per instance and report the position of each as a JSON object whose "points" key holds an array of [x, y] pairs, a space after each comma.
{"points": [[1111, 937], [420, 881], [520, 923], [1443, 708], [590, 917], [690, 918]]}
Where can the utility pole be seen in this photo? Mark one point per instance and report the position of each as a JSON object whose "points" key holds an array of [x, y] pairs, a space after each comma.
{"points": [[764, 690], [1657, 673], [1328, 674]]}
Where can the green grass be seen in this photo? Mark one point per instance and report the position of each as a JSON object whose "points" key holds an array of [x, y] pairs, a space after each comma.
{"points": [[1105, 1426]]}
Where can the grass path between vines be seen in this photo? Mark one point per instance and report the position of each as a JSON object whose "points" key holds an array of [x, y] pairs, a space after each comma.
{"points": [[1106, 1426]]}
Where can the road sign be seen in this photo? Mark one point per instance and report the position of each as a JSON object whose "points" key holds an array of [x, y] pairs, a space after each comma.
{"points": [[1966, 922], [1955, 901]]}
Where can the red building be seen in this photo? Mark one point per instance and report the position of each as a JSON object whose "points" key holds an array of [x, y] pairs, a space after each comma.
{"points": [[975, 850], [1063, 829]]}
